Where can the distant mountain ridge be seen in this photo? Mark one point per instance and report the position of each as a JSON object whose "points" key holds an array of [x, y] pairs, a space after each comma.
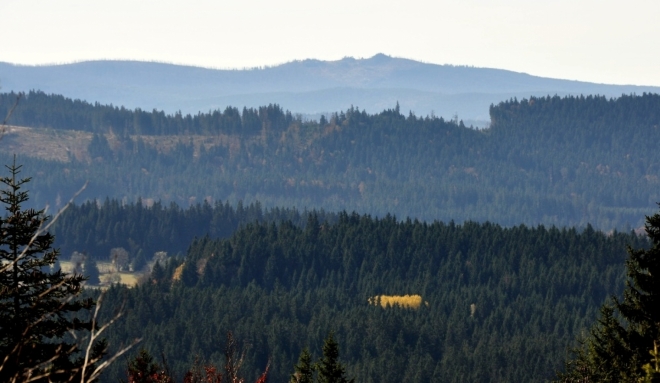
{"points": [[307, 86]]}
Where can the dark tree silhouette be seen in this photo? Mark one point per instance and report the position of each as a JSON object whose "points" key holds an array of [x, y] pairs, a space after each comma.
{"points": [[37, 307], [620, 347]]}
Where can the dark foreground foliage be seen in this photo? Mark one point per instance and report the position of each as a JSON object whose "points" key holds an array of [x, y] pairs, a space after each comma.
{"points": [[144, 369], [623, 346], [39, 306]]}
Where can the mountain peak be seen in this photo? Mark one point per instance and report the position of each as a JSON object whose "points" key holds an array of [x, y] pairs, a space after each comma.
{"points": [[304, 86], [380, 57]]}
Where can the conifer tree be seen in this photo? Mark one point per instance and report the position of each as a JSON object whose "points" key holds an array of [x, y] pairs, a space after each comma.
{"points": [[304, 370], [91, 271], [622, 342], [329, 367], [37, 306]]}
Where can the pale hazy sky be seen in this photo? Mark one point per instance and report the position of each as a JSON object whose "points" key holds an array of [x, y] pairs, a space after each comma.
{"points": [[605, 41]]}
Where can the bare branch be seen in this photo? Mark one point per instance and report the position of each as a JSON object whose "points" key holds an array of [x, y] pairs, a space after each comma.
{"points": [[44, 372], [59, 213], [106, 363], [43, 229]]}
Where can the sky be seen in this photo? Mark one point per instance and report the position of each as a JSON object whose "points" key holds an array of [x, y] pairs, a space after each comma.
{"points": [[603, 41]]}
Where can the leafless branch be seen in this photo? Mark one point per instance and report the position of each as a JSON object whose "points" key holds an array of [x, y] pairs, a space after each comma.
{"points": [[92, 338], [18, 346], [43, 370], [28, 375], [43, 229]]}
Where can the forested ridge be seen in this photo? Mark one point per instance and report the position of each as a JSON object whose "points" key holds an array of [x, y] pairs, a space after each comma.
{"points": [[239, 200], [564, 161], [501, 304], [95, 227]]}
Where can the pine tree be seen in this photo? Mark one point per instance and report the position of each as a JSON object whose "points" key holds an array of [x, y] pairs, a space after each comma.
{"points": [[304, 370], [37, 306], [330, 370], [628, 330], [91, 271]]}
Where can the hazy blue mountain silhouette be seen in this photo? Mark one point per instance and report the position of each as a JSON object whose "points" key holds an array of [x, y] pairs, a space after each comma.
{"points": [[307, 87]]}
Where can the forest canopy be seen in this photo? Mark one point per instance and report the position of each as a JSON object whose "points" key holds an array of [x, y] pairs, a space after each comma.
{"points": [[502, 304], [417, 248], [565, 161]]}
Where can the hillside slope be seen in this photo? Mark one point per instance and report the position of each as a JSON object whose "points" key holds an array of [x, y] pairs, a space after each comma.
{"points": [[556, 161], [501, 305], [308, 86]]}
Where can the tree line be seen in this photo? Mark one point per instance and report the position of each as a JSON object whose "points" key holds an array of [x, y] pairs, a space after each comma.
{"points": [[95, 228], [565, 161], [39, 109]]}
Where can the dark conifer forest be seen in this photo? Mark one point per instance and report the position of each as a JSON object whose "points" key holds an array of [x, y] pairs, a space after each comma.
{"points": [[95, 228], [498, 304], [390, 247], [567, 161]]}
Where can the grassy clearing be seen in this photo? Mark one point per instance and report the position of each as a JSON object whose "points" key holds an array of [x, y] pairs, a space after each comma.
{"points": [[48, 144], [108, 274], [128, 279], [64, 145]]}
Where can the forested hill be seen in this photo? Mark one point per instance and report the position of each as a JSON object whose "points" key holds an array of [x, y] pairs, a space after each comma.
{"points": [[94, 228], [551, 160], [307, 86], [497, 304]]}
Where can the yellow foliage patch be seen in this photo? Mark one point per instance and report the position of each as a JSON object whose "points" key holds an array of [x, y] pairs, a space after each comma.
{"points": [[177, 272], [408, 301]]}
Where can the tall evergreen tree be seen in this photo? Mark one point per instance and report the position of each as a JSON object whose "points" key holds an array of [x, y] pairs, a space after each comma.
{"points": [[91, 271], [304, 370], [329, 367], [37, 307], [620, 344]]}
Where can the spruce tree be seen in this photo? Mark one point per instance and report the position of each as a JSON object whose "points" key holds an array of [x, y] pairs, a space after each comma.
{"points": [[621, 344], [91, 271], [329, 367], [304, 370], [38, 307]]}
